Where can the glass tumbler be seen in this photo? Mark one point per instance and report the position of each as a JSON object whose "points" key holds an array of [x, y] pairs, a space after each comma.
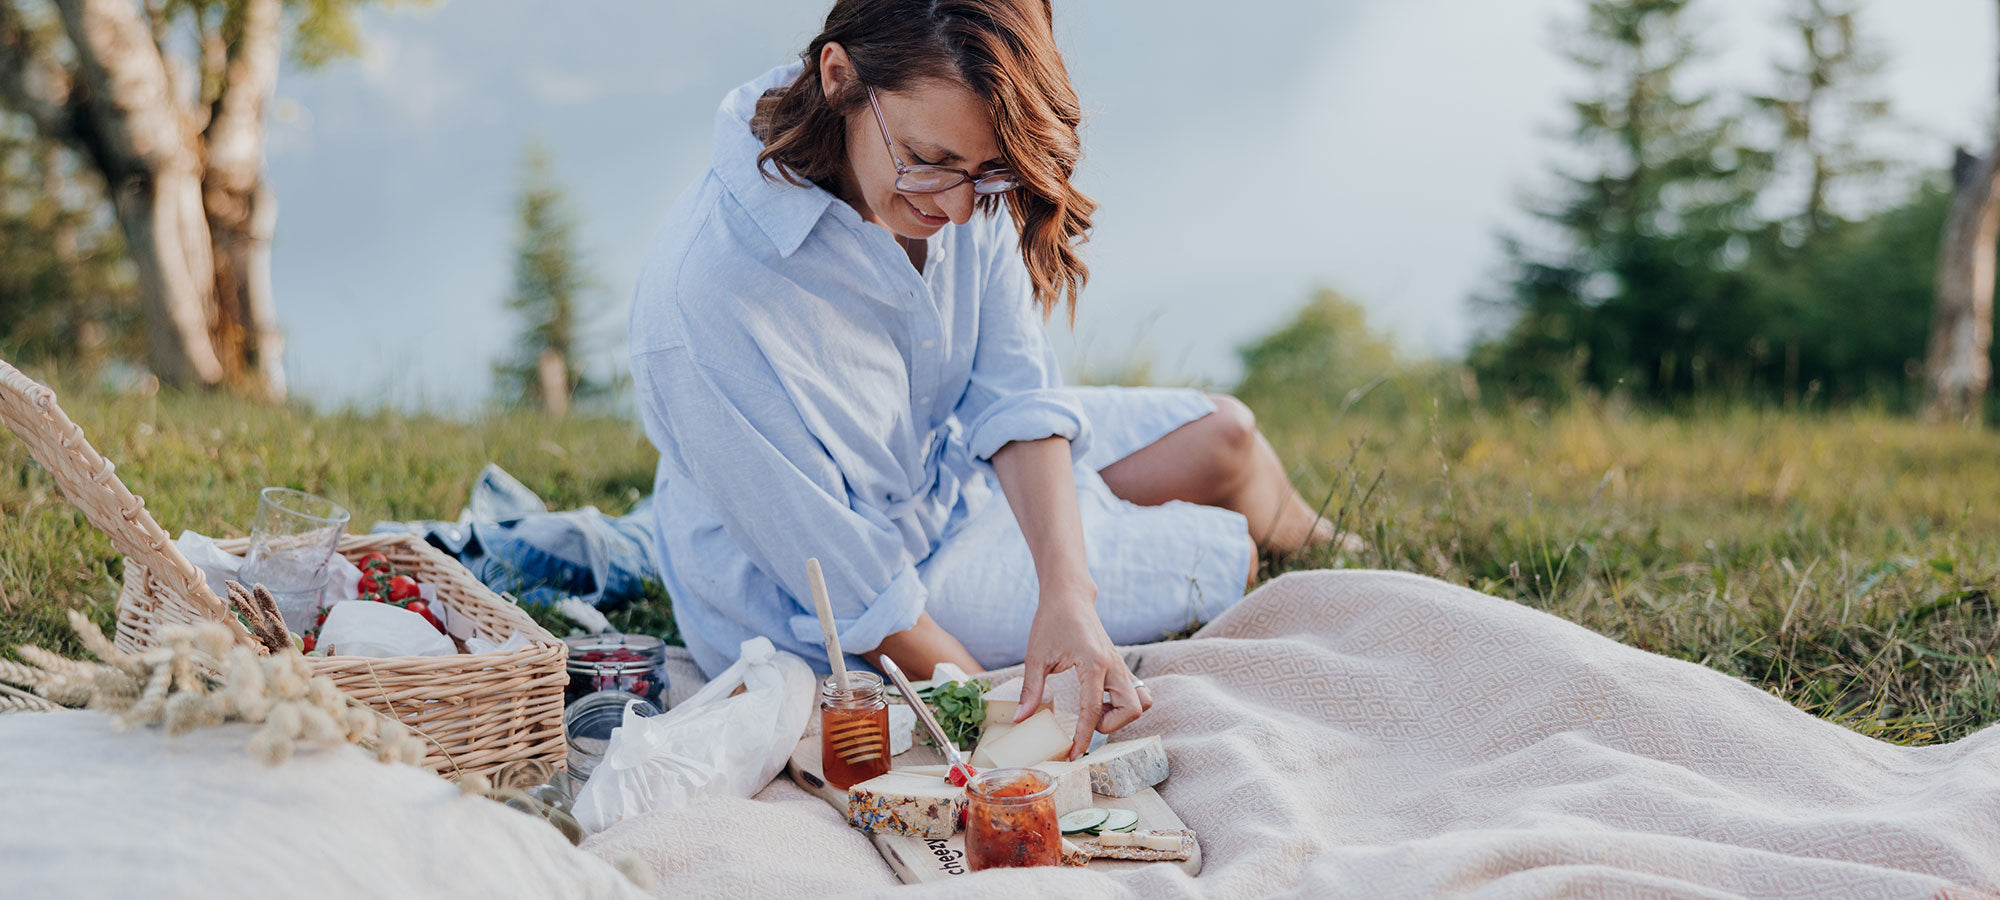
{"points": [[292, 539]]}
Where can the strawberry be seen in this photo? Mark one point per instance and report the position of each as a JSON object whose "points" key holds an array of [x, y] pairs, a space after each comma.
{"points": [[309, 642]]}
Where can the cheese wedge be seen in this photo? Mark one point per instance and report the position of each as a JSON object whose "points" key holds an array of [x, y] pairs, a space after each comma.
{"points": [[902, 728], [1036, 740], [947, 672], [1072, 785], [999, 716], [1127, 767], [994, 731], [918, 806], [1002, 701]]}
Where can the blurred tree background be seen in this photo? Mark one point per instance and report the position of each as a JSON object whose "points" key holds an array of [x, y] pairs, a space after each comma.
{"points": [[1684, 242], [551, 300], [66, 293], [152, 116], [1756, 246]]}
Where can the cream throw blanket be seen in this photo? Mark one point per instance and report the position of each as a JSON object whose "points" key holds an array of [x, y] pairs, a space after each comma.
{"points": [[1370, 734]]}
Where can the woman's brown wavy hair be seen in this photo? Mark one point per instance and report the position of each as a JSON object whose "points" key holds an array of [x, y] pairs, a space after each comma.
{"points": [[1005, 52]]}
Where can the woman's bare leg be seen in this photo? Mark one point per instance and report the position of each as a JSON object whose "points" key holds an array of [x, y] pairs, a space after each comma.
{"points": [[1221, 459]]}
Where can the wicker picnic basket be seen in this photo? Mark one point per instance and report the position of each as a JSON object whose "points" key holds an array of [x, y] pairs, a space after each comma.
{"points": [[478, 712]]}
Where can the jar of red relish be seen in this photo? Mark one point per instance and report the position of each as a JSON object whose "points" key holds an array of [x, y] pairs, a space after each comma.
{"points": [[1010, 820]]}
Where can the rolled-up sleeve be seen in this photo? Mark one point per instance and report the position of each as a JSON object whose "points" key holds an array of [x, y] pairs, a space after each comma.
{"points": [[781, 497], [1016, 391]]}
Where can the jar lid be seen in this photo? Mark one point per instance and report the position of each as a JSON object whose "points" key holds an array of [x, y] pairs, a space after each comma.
{"points": [[614, 653]]}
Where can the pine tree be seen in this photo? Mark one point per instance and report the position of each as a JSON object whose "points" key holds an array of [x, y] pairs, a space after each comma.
{"points": [[550, 293], [1827, 102], [1638, 290], [1832, 337]]}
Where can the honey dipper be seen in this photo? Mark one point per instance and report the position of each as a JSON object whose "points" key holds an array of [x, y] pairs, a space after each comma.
{"points": [[854, 740]]}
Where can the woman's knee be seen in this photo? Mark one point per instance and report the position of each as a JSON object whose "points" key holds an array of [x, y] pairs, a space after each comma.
{"points": [[1234, 424], [1232, 441]]}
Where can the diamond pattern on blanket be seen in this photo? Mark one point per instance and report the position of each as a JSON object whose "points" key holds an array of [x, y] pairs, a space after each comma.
{"points": [[1375, 734]]}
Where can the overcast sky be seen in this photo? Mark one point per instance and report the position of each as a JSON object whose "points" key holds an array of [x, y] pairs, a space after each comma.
{"points": [[1374, 146]]}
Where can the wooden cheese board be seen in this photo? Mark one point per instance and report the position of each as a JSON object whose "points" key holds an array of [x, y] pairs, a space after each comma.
{"points": [[919, 860]]}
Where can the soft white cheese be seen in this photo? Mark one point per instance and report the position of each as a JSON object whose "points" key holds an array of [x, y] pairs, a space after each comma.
{"points": [[1144, 840], [1127, 767]]}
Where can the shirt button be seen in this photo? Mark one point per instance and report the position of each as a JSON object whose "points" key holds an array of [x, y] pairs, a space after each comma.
{"points": [[928, 344]]}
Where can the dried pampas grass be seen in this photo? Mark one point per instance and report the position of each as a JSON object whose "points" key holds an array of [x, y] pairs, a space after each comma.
{"points": [[199, 677]]}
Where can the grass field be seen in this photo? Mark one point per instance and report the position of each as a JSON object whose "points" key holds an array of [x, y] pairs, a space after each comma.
{"points": [[1844, 561]]}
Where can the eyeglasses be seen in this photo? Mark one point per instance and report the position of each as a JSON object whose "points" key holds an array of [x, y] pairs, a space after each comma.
{"points": [[929, 179]]}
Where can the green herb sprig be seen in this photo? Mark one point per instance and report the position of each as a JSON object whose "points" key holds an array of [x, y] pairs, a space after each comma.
{"points": [[960, 708]]}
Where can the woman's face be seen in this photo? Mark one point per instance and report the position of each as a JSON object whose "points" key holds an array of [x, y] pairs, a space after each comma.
{"points": [[934, 122]]}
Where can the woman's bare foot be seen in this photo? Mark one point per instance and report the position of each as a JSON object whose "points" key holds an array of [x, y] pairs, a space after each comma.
{"points": [[1221, 459]]}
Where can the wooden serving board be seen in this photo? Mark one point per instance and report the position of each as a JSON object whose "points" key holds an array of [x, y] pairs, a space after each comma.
{"points": [[918, 860]]}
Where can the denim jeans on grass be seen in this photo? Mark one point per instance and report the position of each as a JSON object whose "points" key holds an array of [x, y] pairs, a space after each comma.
{"points": [[510, 541]]}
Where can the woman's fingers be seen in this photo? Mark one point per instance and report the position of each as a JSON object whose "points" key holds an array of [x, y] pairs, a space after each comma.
{"points": [[1033, 675], [1124, 701], [1090, 709]]}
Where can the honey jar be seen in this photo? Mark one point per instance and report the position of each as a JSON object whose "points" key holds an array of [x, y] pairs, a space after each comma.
{"points": [[853, 729]]}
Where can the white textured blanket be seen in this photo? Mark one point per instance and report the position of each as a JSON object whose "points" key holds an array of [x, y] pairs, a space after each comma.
{"points": [[1368, 734]]}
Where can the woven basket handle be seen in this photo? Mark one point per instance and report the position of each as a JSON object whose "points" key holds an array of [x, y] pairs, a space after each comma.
{"points": [[29, 409]]}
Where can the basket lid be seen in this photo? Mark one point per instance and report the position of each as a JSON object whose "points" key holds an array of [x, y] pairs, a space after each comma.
{"points": [[91, 484]]}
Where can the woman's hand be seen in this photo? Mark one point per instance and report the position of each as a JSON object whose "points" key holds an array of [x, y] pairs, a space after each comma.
{"points": [[1067, 633]]}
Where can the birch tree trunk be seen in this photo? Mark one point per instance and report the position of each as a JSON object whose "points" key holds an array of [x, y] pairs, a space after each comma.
{"points": [[185, 178], [1956, 369]]}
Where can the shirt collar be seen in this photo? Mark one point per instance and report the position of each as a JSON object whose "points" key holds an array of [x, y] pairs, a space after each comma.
{"points": [[785, 212]]}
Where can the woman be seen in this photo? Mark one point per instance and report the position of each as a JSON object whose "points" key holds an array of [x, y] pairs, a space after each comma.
{"points": [[839, 351]]}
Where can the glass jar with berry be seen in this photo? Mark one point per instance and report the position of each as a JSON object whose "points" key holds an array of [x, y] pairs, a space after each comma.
{"points": [[634, 663]]}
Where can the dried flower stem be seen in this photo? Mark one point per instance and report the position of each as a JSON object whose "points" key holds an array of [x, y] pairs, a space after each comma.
{"points": [[260, 610], [200, 677]]}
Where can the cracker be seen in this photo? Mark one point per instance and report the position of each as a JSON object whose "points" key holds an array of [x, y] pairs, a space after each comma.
{"points": [[1097, 850]]}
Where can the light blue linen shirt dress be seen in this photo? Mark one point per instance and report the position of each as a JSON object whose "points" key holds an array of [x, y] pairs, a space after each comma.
{"points": [[812, 394]]}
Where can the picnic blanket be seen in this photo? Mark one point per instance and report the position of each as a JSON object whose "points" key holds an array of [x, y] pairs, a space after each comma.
{"points": [[88, 812], [1373, 734]]}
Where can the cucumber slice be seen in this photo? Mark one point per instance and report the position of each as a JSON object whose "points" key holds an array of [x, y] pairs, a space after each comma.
{"points": [[1082, 820], [1118, 820]]}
